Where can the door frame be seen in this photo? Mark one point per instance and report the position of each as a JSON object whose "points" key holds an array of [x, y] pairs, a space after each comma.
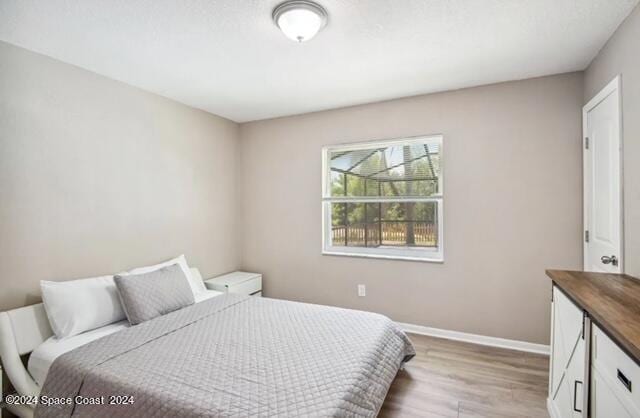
{"points": [[613, 87]]}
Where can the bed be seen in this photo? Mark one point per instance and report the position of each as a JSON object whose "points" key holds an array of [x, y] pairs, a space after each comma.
{"points": [[228, 355]]}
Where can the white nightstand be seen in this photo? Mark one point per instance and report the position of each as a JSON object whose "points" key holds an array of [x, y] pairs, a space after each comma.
{"points": [[237, 282]]}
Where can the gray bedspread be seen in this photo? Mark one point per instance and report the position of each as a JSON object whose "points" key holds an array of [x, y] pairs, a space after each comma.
{"points": [[235, 356]]}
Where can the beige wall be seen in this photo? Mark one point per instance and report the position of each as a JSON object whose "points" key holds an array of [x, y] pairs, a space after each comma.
{"points": [[97, 176], [621, 55], [512, 206]]}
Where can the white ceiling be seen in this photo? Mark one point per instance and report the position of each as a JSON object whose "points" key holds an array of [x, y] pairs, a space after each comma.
{"points": [[227, 57]]}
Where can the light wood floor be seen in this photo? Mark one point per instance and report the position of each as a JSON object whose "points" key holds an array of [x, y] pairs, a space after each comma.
{"points": [[456, 379]]}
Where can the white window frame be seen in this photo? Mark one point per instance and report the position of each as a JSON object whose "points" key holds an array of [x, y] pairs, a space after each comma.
{"points": [[435, 255]]}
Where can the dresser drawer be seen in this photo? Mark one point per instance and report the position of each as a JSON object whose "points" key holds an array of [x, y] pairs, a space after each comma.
{"points": [[247, 287], [604, 402], [617, 369]]}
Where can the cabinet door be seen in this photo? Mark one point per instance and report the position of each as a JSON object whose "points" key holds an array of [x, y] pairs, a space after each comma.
{"points": [[567, 358], [604, 403]]}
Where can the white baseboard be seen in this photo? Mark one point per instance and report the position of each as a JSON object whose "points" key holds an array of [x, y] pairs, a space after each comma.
{"points": [[476, 339]]}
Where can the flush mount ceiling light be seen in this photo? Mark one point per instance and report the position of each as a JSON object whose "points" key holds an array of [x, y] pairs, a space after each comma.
{"points": [[300, 20]]}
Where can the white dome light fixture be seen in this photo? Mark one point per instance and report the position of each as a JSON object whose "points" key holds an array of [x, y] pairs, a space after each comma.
{"points": [[299, 20]]}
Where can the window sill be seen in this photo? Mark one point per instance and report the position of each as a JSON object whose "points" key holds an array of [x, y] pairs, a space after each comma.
{"points": [[435, 259]]}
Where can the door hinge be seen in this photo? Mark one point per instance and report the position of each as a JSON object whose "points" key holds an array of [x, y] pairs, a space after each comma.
{"points": [[586, 142], [586, 236], [584, 316]]}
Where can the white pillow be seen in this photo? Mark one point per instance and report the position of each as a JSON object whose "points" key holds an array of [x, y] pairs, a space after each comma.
{"points": [[196, 284], [81, 305]]}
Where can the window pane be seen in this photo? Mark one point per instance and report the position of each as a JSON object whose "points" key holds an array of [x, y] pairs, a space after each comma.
{"points": [[412, 169], [397, 224]]}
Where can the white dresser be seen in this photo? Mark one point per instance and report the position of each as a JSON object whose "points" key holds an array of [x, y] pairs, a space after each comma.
{"points": [[595, 346], [614, 379], [237, 282]]}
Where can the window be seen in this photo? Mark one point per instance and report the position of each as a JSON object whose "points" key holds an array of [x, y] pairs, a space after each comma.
{"points": [[384, 199]]}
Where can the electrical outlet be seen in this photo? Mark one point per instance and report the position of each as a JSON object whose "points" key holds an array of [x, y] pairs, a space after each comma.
{"points": [[362, 290]]}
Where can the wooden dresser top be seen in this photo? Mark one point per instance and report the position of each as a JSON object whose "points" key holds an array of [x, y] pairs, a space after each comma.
{"points": [[611, 300]]}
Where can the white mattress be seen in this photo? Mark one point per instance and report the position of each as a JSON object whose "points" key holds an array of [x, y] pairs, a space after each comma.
{"points": [[43, 356]]}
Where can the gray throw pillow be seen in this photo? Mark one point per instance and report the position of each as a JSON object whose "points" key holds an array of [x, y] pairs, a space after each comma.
{"points": [[148, 295]]}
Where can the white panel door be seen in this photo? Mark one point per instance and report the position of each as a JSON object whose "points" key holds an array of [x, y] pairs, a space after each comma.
{"points": [[602, 182]]}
